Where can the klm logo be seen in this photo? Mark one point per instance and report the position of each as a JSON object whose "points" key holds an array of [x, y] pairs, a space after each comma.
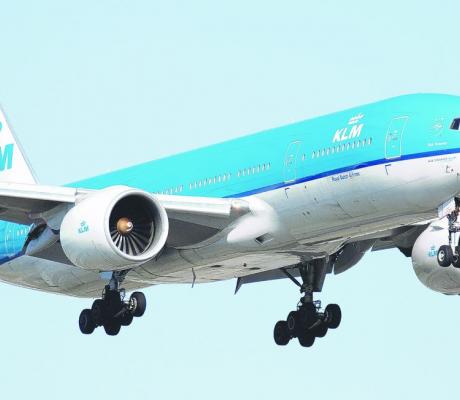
{"points": [[432, 252], [83, 227], [6, 157], [350, 132]]}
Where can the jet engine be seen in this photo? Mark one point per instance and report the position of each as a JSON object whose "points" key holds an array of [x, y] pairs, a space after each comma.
{"points": [[424, 259], [114, 228]]}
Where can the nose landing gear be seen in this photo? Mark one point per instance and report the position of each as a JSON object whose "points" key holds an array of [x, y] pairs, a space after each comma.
{"points": [[309, 321], [112, 311], [448, 254]]}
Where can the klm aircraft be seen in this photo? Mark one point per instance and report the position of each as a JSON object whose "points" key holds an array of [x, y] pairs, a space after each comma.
{"points": [[302, 202]]}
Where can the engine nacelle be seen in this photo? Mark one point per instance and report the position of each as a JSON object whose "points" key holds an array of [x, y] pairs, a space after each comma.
{"points": [[424, 259], [114, 228]]}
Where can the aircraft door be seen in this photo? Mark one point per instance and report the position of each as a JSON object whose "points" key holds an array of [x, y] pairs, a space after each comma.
{"points": [[393, 139], [290, 161]]}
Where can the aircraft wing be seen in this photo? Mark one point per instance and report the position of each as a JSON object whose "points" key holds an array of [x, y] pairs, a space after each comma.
{"points": [[191, 219]]}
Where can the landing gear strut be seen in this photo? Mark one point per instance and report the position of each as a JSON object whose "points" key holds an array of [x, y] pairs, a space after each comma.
{"points": [[449, 254], [309, 321], [112, 311]]}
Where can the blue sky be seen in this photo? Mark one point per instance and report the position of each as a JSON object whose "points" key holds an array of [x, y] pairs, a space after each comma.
{"points": [[95, 86]]}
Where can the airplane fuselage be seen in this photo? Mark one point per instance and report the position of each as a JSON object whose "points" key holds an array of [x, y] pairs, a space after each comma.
{"points": [[328, 181]]}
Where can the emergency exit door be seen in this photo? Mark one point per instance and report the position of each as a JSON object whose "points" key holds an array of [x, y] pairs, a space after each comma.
{"points": [[291, 161], [394, 136]]}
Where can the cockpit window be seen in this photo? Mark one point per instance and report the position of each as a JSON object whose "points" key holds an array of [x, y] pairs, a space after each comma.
{"points": [[455, 125]]}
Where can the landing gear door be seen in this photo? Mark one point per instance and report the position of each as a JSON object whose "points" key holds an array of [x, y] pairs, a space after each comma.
{"points": [[393, 139], [290, 161]]}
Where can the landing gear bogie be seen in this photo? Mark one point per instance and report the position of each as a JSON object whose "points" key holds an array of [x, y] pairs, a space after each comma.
{"points": [[112, 311], [306, 326], [308, 322], [448, 254]]}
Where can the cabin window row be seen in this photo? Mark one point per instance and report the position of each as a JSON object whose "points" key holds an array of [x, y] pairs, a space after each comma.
{"points": [[210, 181], [340, 148], [218, 179], [174, 190], [254, 170]]}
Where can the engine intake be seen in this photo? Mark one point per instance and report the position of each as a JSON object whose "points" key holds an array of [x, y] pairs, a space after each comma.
{"points": [[132, 224], [114, 228]]}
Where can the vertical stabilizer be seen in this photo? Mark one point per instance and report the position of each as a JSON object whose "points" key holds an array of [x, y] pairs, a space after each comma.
{"points": [[14, 166]]}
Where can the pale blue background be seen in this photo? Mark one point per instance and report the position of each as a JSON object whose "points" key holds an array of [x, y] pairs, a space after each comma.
{"points": [[104, 84]]}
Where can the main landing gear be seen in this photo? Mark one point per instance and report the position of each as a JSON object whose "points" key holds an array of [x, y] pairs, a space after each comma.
{"points": [[449, 254], [112, 311], [308, 322]]}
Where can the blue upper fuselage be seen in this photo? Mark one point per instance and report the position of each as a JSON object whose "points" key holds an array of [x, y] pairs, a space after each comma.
{"points": [[398, 128], [404, 127]]}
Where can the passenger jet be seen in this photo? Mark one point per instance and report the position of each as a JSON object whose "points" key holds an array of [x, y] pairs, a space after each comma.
{"points": [[301, 202]]}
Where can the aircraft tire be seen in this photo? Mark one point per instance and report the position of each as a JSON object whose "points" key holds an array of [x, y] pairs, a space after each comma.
{"points": [[306, 339], [112, 328], [333, 316], [307, 315], [140, 303], [281, 333], [456, 261], [320, 330], [292, 322], [86, 322], [445, 256], [98, 311], [126, 319]]}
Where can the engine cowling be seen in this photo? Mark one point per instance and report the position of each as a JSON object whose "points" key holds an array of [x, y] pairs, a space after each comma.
{"points": [[114, 228], [424, 260]]}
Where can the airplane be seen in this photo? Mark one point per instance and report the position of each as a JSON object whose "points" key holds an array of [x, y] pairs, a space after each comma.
{"points": [[299, 202]]}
